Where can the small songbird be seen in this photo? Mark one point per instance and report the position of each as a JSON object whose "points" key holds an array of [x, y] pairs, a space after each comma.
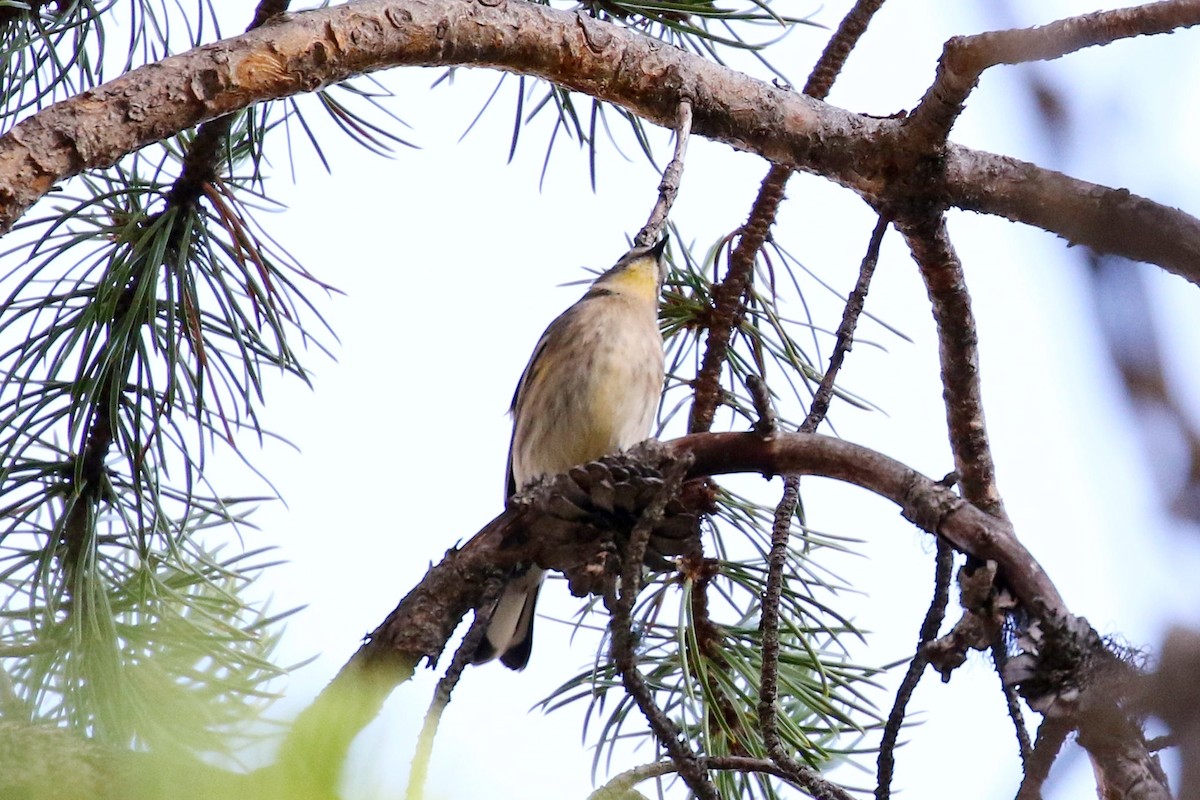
{"points": [[592, 387]]}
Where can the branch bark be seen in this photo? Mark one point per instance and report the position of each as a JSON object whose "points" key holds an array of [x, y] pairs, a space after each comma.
{"points": [[306, 51], [423, 622]]}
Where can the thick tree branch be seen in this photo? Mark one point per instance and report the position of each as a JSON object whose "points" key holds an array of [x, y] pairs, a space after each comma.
{"points": [[316, 48], [423, 622]]}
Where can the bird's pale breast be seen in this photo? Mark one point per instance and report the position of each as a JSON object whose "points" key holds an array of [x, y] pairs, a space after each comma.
{"points": [[604, 401]]}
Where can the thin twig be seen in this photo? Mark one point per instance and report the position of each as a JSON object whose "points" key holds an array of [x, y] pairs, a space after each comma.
{"points": [[786, 509], [1053, 731], [934, 616], [445, 687], [668, 187], [620, 786], [768, 625], [760, 395], [820, 80], [620, 608], [1012, 702], [845, 331], [833, 58], [728, 298]]}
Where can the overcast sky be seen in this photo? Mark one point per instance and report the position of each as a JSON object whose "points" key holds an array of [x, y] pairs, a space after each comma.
{"points": [[450, 261]]}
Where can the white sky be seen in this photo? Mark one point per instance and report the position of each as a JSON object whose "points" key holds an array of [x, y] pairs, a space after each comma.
{"points": [[449, 260]]}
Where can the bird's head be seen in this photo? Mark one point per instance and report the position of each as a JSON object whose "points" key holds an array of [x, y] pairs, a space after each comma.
{"points": [[639, 273]]}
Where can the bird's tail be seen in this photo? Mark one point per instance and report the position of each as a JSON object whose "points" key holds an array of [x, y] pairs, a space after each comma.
{"points": [[509, 634]]}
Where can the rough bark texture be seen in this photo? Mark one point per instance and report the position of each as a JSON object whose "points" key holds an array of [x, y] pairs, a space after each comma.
{"points": [[306, 51]]}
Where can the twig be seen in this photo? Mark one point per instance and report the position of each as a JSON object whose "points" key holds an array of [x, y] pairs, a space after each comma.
{"points": [[619, 786], [1051, 734], [965, 58], [445, 687], [1011, 702], [958, 343], [819, 82], [768, 624], [760, 395], [728, 296], [786, 509], [668, 187], [934, 616], [620, 608], [845, 331], [833, 58]]}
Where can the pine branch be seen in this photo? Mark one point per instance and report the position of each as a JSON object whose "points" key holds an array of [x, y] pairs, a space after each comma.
{"points": [[325, 46]]}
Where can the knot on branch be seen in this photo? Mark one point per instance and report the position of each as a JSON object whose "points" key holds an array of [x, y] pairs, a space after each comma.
{"points": [[582, 519], [986, 610], [1062, 658], [927, 505]]}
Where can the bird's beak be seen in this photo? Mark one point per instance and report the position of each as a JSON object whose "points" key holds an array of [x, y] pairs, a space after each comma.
{"points": [[658, 249]]}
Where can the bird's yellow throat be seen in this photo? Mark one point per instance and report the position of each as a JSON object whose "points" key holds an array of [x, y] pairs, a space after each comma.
{"points": [[639, 279]]}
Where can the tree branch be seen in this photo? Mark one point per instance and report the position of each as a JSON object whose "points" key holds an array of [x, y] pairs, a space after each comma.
{"points": [[958, 346], [316, 48], [668, 187], [934, 616], [423, 622], [965, 58]]}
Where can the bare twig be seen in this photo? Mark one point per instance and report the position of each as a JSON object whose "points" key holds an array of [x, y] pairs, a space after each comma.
{"points": [[728, 295], [768, 624], [1012, 703], [1051, 734], [820, 80], [445, 687], [965, 58], [786, 509], [619, 786], [668, 187], [728, 298], [620, 608], [845, 331], [833, 58], [934, 616], [760, 396]]}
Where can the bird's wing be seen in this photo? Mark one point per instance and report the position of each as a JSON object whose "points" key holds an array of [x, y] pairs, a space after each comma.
{"points": [[559, 323]]}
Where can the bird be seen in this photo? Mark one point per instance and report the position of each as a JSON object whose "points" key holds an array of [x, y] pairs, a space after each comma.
{"points": [[592, 387]]}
